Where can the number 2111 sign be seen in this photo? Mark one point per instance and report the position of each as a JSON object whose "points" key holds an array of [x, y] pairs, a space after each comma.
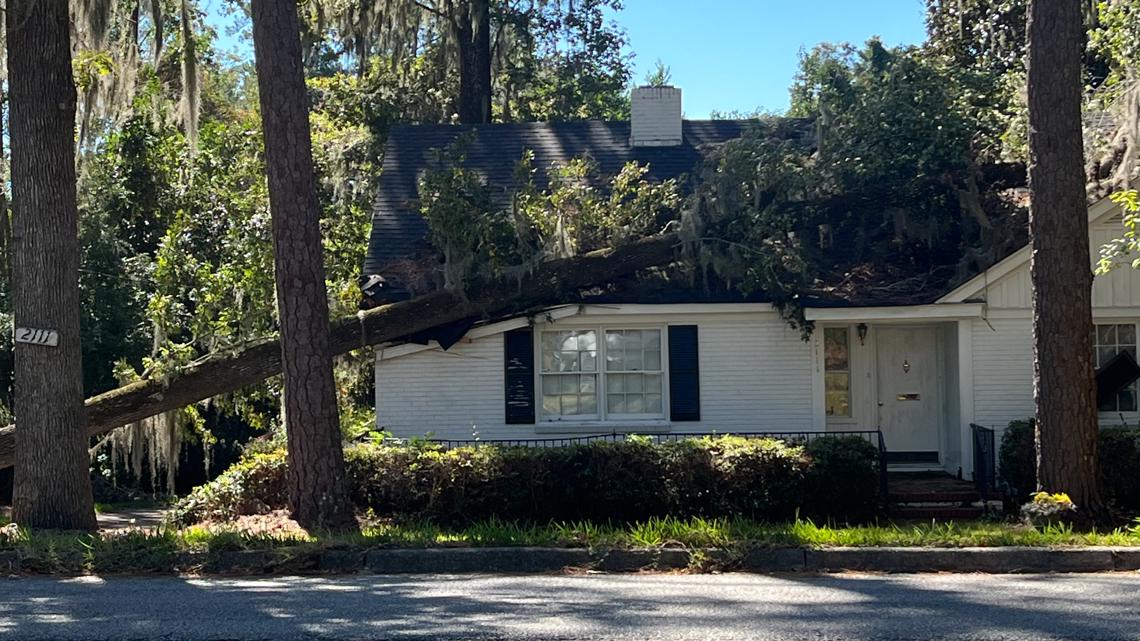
{"points": [[46, 337]]}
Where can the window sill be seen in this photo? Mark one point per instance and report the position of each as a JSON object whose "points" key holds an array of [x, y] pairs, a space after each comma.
{"points": [[603, 427]]}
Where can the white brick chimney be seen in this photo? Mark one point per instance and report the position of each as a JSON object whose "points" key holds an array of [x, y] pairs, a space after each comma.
{"points": [[655, 117]]}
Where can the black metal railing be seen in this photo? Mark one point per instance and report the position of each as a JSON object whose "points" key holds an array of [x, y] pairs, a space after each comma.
{"points": [[884, 489], [874, 437], [985, 460]]}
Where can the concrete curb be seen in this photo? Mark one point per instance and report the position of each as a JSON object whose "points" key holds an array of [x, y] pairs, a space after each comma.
{"points": [[537, 560]]}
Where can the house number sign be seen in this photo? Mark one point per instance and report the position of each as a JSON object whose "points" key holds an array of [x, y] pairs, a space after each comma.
{"points": [[46, 337]]}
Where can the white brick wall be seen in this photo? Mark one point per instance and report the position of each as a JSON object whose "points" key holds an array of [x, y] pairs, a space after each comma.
{"points": [[655, 117], [755, 376]]}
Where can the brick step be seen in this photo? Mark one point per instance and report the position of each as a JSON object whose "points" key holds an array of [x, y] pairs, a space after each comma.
{"points": [[965, 496], [936, 512]]}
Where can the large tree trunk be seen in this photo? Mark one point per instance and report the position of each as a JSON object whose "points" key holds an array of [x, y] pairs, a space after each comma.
{"points": [[52, 480], [318, 496], [551, 283], [473, 36], [1064, 387]]}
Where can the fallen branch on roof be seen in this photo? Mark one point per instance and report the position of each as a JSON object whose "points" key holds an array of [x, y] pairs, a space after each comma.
{"points": [[550, 283]]}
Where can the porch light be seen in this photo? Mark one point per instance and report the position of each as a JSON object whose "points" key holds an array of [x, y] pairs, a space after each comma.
{"points": [[861, 329]]}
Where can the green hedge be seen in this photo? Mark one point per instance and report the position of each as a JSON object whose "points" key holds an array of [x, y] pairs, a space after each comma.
{"points": [[635, 479], [1119, 453]]}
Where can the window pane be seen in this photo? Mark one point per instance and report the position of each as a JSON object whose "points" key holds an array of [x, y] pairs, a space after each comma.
{"points": [[589, 361], [569, 404], [615, 383], [653, 340], [632, 339], [613, 339], [551, 405], [551, 385], [1126, 334], [837, 397], [633, 383], [633, 360], [615, 403], [1106, 334], [569, 384], [1104, 354], [838, 404], [586, 384], [837, 381], [635, 403], [653, 403], [615, 359], [652, 383], [652, 360], [587, 341], [835, 348], [589, 403]]}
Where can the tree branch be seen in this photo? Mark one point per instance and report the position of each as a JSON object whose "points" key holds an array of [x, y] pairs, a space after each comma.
{"points": [[547, 284]]}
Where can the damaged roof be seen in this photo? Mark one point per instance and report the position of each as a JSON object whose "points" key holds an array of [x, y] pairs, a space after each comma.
{"points": [[399, 230]]}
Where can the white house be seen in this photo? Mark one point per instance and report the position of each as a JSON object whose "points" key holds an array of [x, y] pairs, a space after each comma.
{"points": [[921, 373]]}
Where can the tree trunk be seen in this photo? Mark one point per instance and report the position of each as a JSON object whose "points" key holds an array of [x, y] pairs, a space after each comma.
{"points": [[552, 283], [1064, 387], [52, 480], [473, 37], [318, 496]]}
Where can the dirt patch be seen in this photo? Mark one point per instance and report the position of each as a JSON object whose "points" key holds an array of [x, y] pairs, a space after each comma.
{"points": [[276, 524]]}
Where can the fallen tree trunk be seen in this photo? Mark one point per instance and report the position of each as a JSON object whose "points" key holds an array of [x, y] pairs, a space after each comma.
{"points": [[547, 284]]}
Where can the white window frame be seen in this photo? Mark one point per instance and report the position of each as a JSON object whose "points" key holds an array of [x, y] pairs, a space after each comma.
{"points": [[1097, 322], [603, 416]]}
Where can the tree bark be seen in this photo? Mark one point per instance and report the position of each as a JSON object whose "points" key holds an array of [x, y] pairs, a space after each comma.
{"points": [[1064, 386], [552, 283], [318, 495], [472, 26], [52, 481]]}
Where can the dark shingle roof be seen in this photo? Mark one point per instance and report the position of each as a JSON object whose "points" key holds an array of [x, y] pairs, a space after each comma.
{"points": [[398, 229]]}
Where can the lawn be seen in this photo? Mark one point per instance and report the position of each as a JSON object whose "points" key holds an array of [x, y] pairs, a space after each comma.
{"points": [[165, 549]]}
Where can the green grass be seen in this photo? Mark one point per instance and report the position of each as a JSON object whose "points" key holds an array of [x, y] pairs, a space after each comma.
{"points": [[159, 551]]}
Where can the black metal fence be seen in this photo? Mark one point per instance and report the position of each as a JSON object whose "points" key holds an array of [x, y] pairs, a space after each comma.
{"points": [[874, 437], [985, 460]]}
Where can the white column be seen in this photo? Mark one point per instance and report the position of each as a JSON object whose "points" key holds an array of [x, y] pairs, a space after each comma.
{"points": [[966, 393]]}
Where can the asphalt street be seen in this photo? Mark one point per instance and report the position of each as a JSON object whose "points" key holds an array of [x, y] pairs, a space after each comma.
{"points": [[705, 607]]}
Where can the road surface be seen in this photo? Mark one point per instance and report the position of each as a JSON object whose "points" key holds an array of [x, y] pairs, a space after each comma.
{"points": [[627, 607]]}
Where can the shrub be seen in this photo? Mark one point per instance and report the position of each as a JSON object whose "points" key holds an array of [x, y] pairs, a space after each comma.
{"points": [[621, 481], [253, 485], [842, 469], [1119, 454], [1017, 459]]}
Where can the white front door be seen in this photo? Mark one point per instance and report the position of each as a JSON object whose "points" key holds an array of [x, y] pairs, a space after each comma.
{"points": [[909, 396]]}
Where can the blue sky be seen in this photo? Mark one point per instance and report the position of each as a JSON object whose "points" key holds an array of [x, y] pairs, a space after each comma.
{"points": [[735, 55], [742, 54]]}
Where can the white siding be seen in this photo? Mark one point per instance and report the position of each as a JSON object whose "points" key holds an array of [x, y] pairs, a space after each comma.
{"points": [[445, 393], [1003, 370], [756, 375], [1118, 288]]}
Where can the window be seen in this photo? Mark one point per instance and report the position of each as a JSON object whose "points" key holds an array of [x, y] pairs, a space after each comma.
{"points": [[629, 383], [1108, 341], [837, 371]]}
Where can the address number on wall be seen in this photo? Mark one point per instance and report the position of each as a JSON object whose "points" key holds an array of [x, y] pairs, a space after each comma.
{"points": [[48, 337]]}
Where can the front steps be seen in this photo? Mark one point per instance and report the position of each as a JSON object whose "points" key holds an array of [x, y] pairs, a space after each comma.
{"points": [[932, 495]]}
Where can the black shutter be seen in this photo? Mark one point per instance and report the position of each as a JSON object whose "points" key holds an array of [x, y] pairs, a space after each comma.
{"points": [[684, 374], [518, 362]]}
